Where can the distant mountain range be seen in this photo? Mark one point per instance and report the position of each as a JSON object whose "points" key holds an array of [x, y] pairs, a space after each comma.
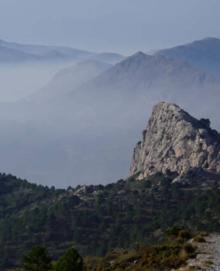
{"points": [[11, 52], [129, 213], [81, 128], [91, 112], [202, 54], [141, 80], [68, 79], [141, 71], [139, 74]]}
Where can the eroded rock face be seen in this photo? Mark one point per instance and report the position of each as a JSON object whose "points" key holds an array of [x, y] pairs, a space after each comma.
{"points": [[175, 141]]}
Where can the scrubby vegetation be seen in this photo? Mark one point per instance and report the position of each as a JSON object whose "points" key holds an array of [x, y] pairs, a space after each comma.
{"points": [[37, 260], [161, 257], [98, 219], [70, 261], [172, 252]]}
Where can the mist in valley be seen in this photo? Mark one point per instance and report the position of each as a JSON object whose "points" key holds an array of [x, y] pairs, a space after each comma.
{"points": [[23, 79], [82, 121]]}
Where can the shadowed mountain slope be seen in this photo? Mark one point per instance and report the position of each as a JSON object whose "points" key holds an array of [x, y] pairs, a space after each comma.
{"points": [[203, 54]]}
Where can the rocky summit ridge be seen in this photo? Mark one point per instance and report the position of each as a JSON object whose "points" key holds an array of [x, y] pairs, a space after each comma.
{"points": [[174, 141]]}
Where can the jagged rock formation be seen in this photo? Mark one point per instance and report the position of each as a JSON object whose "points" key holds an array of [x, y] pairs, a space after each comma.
{"points": [[175, 141]]}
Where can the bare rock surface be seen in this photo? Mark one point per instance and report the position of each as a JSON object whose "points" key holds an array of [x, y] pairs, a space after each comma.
{"points": [[208, 255], [175, 141]]}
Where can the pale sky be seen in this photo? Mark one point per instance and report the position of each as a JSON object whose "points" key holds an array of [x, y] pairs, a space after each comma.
{"points": [[123, 26]]}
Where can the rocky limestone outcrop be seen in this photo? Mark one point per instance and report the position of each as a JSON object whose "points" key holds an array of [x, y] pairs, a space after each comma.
{"points": [[175, 141]]}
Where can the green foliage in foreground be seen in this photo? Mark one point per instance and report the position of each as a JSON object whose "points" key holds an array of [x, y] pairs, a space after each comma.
{"points": [[37, 260], [178, 246], [173, 252], [97, 219], [162, 257], [70, 261]]}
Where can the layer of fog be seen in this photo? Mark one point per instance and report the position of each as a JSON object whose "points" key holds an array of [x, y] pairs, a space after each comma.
{"points": [[18, 81], [87, 135]]}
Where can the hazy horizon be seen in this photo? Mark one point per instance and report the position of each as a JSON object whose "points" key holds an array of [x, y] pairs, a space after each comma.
{"points": [[117, 26], [65, 123]]}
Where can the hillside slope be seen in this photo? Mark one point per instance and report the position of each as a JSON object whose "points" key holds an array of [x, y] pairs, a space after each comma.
{"points": [[67, 79], [203, 54], [74, 125], [99, 218]]}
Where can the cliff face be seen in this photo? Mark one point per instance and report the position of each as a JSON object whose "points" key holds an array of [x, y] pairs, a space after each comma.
{"points": [[175, 141]]}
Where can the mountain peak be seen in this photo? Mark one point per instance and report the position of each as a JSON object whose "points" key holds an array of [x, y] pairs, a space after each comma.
{"points": [[175, 141], [202, 54], [167, 108], [140, 54], [136, 58]]}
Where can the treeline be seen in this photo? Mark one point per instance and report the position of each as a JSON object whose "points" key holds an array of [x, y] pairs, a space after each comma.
{"points": [[177, 247], [98, 219], [38, 259]]}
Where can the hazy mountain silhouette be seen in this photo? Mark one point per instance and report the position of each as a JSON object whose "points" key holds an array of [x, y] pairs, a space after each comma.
{"points": [[11, 52], [83, 132], [68, 79], [203, 54]]}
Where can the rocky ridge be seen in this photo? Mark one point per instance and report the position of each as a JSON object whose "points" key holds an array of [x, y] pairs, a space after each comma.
{"points": [[177, 142]]}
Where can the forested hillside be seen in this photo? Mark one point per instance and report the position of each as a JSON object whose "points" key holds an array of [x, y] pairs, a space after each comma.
{"points": [[96, 219]]}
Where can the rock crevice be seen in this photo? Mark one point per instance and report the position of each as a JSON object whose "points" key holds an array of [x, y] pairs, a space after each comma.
{"points": [[175, 141]]}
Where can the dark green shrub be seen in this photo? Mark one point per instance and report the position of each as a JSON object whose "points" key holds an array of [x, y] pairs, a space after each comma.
{"points": [[37, 260], [70, 261]]}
